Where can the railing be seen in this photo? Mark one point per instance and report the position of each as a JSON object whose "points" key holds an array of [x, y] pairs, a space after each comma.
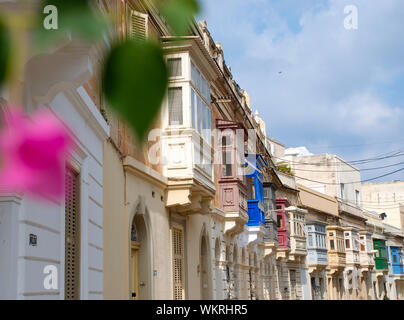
{"points": [[352, 209]]}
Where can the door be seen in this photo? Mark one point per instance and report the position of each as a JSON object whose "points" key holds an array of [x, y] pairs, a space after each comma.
{"points": [[135, 270]]}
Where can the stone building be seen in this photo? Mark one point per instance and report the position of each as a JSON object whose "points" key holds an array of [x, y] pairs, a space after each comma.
{"points": [[65, 239]]}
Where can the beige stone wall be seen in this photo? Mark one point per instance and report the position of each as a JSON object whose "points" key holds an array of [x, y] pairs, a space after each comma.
{"points": [[146, 198], [385, 197], [116, 260], [318, 201], [327, 172]]}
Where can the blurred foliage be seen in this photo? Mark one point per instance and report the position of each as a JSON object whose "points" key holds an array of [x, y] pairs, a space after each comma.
{"points": [[284, 168], [134, 82], [134, 78], [75, 17], [5, 47], [179, 13]]}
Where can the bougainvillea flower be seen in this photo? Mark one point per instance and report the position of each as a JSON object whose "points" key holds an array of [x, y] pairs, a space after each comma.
{"points": [[34, 153]]}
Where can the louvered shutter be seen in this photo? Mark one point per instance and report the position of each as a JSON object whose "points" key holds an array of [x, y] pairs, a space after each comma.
{"points": [[72, 236], [138, 25], [178, 264]]}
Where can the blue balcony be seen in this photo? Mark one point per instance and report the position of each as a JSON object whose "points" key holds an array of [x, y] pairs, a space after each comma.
{"points": [[397, 263], [255, 192]]}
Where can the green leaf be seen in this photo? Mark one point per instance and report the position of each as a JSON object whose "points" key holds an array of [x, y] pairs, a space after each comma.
{"points": [[73, 16], [5, 44], [134, 82], [179, 13]]}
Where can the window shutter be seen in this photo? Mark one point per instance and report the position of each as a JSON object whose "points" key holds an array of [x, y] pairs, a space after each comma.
{"points": [[138, 25], [178, 264], [72, 236]]}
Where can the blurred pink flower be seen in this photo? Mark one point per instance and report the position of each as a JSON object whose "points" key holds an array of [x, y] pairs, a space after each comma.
{"points": [[34, 154]]}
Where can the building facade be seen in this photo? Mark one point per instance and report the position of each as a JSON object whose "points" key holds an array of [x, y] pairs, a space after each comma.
{"points": [[202, 209]]}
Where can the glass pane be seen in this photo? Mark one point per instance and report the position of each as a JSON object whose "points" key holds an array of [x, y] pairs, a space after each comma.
{"points": [[193, 73], [175, 106], [227, 140], [209, 126], [198, 79], [205, 120], [203, 86], [279, 221], [227, 164], [250, 188], [193, 106], [174, 67], [200, 116], [332, 246]]}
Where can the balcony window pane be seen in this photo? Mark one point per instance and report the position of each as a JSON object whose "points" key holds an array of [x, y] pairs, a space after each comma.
{"points": [[332, 246], [200, 114], [395, 259], [279, 221], [227, 140], [250, 188], [227, 164], [193, 73], [198, 79], [203, 86], [347, 244], [174, 67], [175, 106], [206, 120], [193, 106]]}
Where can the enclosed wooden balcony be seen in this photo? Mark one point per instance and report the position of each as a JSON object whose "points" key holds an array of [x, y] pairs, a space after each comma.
{"points": [[351, 241], [230, 139], [379, 246], [336, 249], [317, 257], [283, 223], [365, 251], [298, 246]]}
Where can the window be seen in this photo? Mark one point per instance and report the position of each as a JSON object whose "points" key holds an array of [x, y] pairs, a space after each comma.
{"points": [[138, 25], [347, 244], [342, 191], [332, 246], [72, 236], [193, 106], [279, 221], [178, 264], [310, 241], [250, 188], [269, 202], [357, 198], [227, 163], [174, 66], [175, 116], [200, 96], [227, 141]]}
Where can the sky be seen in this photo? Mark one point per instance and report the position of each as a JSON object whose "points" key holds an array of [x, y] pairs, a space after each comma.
{"points": [[340, 91]]}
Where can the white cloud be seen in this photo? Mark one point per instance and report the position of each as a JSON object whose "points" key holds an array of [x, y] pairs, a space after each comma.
{"points": [[335, 85]]}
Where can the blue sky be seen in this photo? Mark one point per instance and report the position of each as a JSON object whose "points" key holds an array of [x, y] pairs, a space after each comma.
{"points": [[340, 91]]}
